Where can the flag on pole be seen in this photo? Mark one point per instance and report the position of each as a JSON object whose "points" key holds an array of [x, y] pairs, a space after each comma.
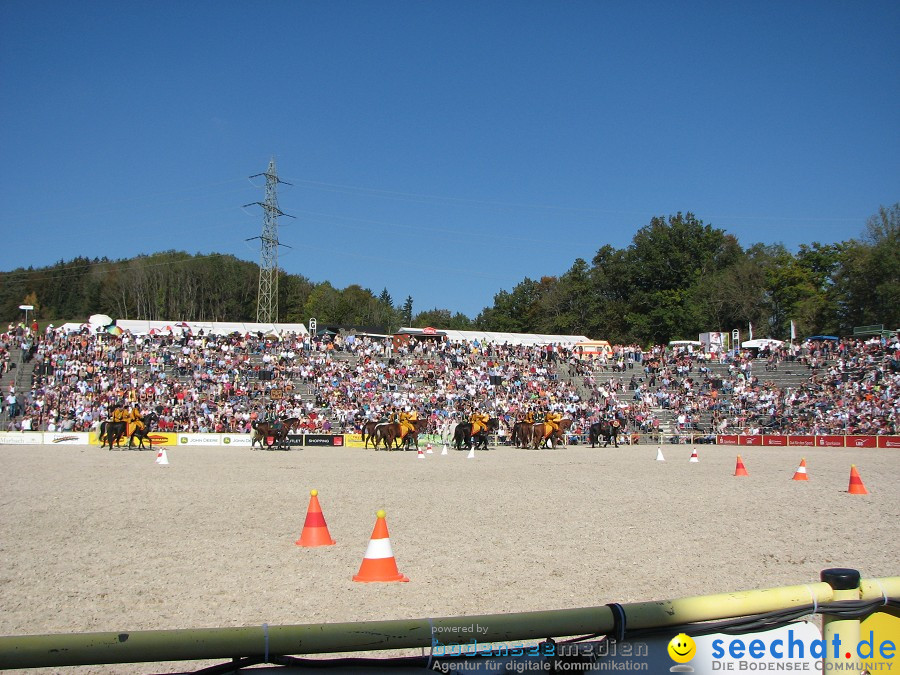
{"points": [[751, 330], [793, 331]]}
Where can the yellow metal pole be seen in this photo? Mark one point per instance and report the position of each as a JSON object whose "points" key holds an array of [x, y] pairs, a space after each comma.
{"points": [[213, 643], [841, 635]]}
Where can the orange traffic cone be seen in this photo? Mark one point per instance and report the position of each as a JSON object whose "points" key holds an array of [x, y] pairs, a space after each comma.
{"points": [[315, 531], [856, 484], [800, 473], [378, 563], [740, 469]]}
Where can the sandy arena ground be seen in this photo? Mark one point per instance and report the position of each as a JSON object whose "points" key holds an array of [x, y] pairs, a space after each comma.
{"points": [[92, 540]]}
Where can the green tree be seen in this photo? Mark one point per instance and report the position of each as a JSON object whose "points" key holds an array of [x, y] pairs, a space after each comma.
{"points": [[406, 312]]}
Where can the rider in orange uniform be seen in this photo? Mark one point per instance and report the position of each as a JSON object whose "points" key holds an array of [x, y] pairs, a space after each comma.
{"points": [[553, 418], [135, 417], [479, 422], [405, 425]]}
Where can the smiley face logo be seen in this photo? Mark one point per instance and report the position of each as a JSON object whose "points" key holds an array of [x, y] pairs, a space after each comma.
{"points": [[682, 648]]}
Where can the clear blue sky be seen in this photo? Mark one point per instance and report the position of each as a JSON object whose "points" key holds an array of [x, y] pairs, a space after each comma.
{"points": [[443, 150]]}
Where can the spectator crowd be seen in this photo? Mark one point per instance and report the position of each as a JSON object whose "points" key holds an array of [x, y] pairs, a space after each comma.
{"points": [[221, 383]]}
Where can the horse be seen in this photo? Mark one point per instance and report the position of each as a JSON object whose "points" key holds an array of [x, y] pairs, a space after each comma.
{"points": [[542, 434], [463, 434], [521, 434], [447, 431], [144, 434], [278, 431], [112, 432], [390, 433], [609, 430], [368, 433]]}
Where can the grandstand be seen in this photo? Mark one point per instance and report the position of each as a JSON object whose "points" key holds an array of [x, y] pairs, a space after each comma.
{"points": [[207, 377]]}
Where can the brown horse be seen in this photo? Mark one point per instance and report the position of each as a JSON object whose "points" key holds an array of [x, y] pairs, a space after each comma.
{"points": [[542, 433], [278, 431], [368, 433], [391, 433]]}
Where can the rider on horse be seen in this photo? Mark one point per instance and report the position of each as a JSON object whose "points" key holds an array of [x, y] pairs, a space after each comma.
{"points": [[135, 417], [552, 419], [479, 422], [273, 419], [529, 416], [118, 413], [408, 420]]}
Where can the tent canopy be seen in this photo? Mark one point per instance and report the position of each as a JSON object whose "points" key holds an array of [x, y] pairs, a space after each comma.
{"points": [[761, 342]]}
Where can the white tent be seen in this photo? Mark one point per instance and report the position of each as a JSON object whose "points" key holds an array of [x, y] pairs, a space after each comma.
{"points": [[208, 327], [760, 343]]}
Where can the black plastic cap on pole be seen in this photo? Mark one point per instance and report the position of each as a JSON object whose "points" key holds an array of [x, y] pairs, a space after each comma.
{"points": [[841, 578]]}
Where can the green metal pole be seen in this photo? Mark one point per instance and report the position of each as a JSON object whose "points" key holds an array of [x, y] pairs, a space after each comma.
{"points": [[220, 643]]}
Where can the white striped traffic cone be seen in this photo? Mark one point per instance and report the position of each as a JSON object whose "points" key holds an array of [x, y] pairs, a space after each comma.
{"points": [[378, 563]]}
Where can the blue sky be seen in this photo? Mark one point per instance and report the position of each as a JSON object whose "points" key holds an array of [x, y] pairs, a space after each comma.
{"points": [[443, 150]]}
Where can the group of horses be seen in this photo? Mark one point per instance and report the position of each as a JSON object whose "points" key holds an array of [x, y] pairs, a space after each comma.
{"points": [[273, 434], [390, 434], [113, 433]]}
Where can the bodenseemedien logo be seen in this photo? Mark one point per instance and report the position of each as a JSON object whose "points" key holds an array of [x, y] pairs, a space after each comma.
{"points": [[682, 649]]}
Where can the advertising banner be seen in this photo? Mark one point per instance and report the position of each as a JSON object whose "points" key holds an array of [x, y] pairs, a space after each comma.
{"points": [[750, 440], [830, 441], [156, 437], [861, 442], [727, 439], [889, 441], [327, 440], [802, 441], [295, 440], [775, 440], [67, 438], [21, 438], [354, 441], [199, 439], [236, 440]]}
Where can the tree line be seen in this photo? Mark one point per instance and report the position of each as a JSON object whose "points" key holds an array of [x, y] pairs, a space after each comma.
{"points": [[678, 277]]}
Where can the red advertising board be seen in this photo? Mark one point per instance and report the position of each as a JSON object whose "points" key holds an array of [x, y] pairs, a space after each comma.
{"points": [[811, 441]]}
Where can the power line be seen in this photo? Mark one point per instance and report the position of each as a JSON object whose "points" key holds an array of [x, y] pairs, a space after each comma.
{"points": [[267, 299]]}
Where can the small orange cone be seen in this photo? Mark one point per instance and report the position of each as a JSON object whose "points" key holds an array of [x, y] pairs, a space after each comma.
{"points": [[378, 563], [315, 531], [856, 484], [800, 473], [740, 469]]}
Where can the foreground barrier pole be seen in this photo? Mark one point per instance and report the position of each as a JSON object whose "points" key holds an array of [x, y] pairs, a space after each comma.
{"points": [[841, 635], [35, 651]]}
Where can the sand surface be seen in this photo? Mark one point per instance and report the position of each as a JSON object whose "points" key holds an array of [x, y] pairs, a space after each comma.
{"points": [[92, 540]]}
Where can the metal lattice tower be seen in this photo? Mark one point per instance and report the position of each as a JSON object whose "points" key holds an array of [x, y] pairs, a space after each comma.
{"points": [[267, 299]]}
